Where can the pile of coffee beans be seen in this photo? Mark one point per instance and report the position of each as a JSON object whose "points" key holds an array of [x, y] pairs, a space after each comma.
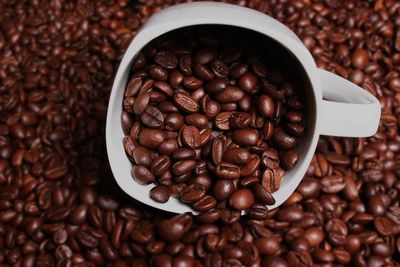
{"points": [[211, 120], [60, 206]]}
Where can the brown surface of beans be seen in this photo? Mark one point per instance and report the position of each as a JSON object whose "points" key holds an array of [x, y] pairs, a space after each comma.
{"points": [[60, 206]]}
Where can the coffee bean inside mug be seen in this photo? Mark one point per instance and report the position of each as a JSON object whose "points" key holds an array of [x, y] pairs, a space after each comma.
{"points": [[212, 120]]}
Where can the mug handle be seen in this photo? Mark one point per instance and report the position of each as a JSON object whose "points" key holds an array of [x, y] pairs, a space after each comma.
{"points": [[347, 109]]}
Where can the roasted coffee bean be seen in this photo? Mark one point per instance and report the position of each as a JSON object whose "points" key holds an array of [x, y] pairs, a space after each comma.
{"points": [[184, 153], [216, 86], [198, 120], [141, 103], [222, 121], [142, 175], [192, 83], [227, 171], [152, 117], [283, 140], [160, 165], [210, 107], [205, 55], [151, 138], [239, 120], [271, 179], [245, 137], [248, 82], [238, 70], [174, 121], [270, 158], [289, 159], [190, 137], [238, 156], [230, 94], [176, 227], [141, 156], [203, 72], [360, 58], [160, 193], [193, 193], [158, 73], [219, 68], [183, 166], [223, 189], [166, 59], [266, 106], [185, 103], [251, 167], [206, 203], [241, 199], [164, 88], [262, 195], [168, 147]]}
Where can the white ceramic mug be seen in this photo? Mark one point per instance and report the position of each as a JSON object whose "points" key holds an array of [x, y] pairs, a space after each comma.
{"points": [[336, 106]]}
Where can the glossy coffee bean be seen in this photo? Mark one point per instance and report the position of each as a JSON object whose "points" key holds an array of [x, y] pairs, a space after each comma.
{"points": [[241, 199]]}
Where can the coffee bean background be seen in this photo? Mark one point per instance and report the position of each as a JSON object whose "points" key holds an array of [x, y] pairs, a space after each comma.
{"points": [[59, 205]]}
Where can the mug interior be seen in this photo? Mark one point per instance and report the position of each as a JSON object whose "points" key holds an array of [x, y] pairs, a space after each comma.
{"points": [[279, 56]]}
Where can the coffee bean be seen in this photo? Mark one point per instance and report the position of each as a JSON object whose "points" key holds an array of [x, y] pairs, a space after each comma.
{"points": [[152, 117], [248, 82], [164, 88], [245, 137], [206, 203], [271, 180], [205, 56], [192, 83], [332, 184], [203, 72], [219, 68], [238, 70], [198, 120], [223, 189], [185, 103], [239, 120], [141, 103], [160, 165], [141, 156], [190, 136], [267, 245], [283, 140], [241, 199], [270, 158], [230, 94], [228, 171], [237, 156], [151, 138], [160, 193], [192, 193], [158, 73], [166, 60], [222, 121], [184, 153], [183, 166], [176, 227], [216, 86], [250, 167], [262, 195], [289, 159], [142, 175], [360, 58], [174, 121], [133, 87]]}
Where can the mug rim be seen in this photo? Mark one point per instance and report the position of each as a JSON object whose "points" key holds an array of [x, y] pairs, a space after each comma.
{"points": [[157, 25]]}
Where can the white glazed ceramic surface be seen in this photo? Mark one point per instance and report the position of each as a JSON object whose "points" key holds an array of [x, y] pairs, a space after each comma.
{"points": [[355, 114]]}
